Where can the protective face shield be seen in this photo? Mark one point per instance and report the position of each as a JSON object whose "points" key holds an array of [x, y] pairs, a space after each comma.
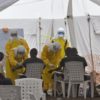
{"points": [[55, 46], [14, 35], [60, 32], [20, 50]]}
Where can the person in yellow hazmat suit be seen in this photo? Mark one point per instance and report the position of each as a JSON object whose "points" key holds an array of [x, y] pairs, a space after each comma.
{"points": [[15, 41], [51, 55], [60, 39], [15, 61]]}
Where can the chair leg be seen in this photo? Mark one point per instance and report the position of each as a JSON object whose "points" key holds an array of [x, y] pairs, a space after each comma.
{"points": [[54, 88], [74, 90], [92, 89], [84, 89], [69, 90], [63, 88]]}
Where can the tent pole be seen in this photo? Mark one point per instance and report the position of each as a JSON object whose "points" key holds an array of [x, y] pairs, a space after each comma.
{"points": [[40, 34], [65, 19], [91, 52], [52, 29], [71, 24], [93, 78]]}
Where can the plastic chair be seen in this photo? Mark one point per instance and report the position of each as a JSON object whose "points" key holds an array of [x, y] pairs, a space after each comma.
{"points": [[76, 76], [29, 87], [10, 92], [34, 70]]}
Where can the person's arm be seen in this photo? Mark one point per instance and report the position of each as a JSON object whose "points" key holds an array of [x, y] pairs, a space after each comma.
{"points": [[44, 55], [59, 67], [12, 59], [25, 44], [8, 47]]}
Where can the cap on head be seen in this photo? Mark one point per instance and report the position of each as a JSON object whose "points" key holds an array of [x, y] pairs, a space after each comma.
{"points": [[20, 49], [55, 46]]}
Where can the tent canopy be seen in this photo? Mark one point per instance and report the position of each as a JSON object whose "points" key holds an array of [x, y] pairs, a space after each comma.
{"points": [[49, 9], [6, 3], [96, 1]]}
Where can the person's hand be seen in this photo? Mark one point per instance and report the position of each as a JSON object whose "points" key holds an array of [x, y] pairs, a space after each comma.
{"points": [[13, 69], [50, 71], [19, 64], [52, 66]]}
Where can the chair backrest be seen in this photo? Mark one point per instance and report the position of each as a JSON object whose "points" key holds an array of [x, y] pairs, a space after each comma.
{"points": [[75, 71], [34, 70], [10, 92], [30, 85]]}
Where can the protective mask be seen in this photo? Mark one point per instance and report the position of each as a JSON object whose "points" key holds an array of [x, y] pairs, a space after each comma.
{"points": [[20, 55], [13, 38], [60, 34], [55, 49]]}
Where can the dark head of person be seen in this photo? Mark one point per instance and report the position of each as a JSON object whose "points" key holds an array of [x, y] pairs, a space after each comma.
{"points": [[33, 53], [74, 52], [1, 56], [68, 51]]}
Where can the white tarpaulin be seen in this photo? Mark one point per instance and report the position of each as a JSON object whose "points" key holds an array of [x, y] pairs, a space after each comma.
{"points": [[49, 9], [6, 3]]}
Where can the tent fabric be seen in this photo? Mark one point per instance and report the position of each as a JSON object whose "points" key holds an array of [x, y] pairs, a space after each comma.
{"points": [[83, 41], [31, 29], [96, 1], [6, 3], [83, 33], [49, 9]]}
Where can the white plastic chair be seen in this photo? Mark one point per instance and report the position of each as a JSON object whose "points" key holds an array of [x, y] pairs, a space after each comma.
{"points": [[10, 92], [29, 87], [76, 76], [34, 70]]}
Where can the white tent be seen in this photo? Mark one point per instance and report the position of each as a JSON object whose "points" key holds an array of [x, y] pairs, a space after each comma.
{"points": [[82, 29], [48, 9]]}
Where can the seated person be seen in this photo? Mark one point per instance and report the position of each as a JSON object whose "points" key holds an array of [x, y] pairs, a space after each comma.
{"points": [[72, 55], [3, 80], [1, 63], [33, 58]]}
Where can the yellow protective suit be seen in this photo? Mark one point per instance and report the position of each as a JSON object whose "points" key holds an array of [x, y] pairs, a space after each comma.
{"points": [[11, 61], [15, 43], [49, 57], [63, 44]]}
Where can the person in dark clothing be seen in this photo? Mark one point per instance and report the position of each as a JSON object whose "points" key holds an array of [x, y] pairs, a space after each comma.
{"points": [[3, 80], [33, 58], [72, 55]]}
